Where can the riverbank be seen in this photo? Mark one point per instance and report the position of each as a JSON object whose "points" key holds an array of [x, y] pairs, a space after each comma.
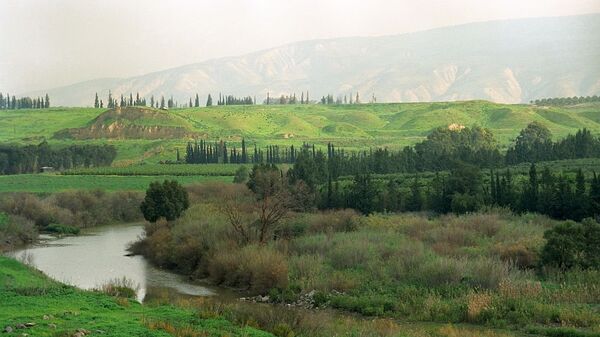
{"points": [[43, 307], [479, 270]]}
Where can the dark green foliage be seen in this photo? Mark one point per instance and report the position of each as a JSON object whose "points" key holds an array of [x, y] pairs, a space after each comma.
{"points": [[529, 196], [24, 102], [566, 100], [232, 100], [535, 144], [572, 245], [594, 196], [31, 158], [415, 199], [241, 175], [164, 200], [362, 194], [62, 229]]}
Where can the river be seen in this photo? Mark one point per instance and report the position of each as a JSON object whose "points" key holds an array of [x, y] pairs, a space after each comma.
{"points": [[99, 255]]}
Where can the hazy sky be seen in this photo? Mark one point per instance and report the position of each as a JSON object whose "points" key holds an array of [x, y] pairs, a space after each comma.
{"points": [[49, 43]]}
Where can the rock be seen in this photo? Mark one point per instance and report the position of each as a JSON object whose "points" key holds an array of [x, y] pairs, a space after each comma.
{"points": [[83, 331], [52, 326], [29, 325], [20, 326], [46, 317], [264, 299], [78, 334], [8, 329]]}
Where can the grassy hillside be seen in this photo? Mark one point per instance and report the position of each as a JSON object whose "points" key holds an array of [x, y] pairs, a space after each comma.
{"points": [[148, 137], [27, 296]]}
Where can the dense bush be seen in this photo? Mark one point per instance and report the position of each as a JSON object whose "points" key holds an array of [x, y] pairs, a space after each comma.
{"points": [[15, 230], [74, 208], [573, 245], [257, 268], [164, 200], [62, 229]]}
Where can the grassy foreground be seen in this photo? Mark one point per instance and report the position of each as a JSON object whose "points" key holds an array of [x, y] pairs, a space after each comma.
{"points": [[27, 296]]}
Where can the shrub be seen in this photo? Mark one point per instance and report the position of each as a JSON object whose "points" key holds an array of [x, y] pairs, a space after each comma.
{"points": [[258, 268], [122, 287], [16, 230], [464, 203], [522, 256], [345, 220], [306, 269], [476, 304], [572, 244], [241, 175], [164, 200], [62, 229]]}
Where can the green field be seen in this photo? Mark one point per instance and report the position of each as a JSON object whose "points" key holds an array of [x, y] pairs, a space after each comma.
{"points": [[27, 296], [353, 126], [138, 177], [161, 169], [49, 183]]}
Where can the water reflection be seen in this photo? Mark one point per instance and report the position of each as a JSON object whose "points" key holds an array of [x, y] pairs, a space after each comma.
{"points": [[99, 256]]}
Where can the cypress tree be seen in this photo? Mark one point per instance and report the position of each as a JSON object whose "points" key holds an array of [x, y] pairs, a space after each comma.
{"points": [[594, 196], [529, 198], [580, 201], [244, 153], [415, 202]]}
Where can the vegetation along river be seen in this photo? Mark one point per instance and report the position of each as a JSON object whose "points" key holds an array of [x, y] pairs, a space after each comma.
{"points": [[99, 255]]}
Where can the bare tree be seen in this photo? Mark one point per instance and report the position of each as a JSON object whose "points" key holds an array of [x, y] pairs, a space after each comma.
{"points": [[256, 218]]}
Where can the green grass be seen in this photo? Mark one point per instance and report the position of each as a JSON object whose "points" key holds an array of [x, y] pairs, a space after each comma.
{"points": [[27, 295], [48, 183], [354, 126], [161, 169]]}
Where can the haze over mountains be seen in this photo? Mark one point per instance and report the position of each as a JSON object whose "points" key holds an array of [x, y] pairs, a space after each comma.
{"points": [[503, 61]]}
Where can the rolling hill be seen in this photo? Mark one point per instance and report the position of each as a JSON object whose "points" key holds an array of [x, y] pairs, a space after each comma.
{"points": [[512, 61], [145, 134]]}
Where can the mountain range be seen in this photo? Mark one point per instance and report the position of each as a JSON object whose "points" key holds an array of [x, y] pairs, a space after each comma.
{"points": [[511, 61]]}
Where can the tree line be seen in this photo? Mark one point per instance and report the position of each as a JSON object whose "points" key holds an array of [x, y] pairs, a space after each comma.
{"points": [[461, 190], [15, 159], [566, 100], [287, 99], [162, 103], [232, 100], [12, 103], [534, 143], [204, 152], [442, 150], [346, 99]]}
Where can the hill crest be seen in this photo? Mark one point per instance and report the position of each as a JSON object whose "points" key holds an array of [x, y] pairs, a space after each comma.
{"points": [[130, 123]]}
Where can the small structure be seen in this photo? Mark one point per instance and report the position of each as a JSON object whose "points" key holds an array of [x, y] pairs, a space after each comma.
{"points": [[47, 169]]}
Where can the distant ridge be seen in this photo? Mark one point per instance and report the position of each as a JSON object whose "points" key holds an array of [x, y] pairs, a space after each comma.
{"points": [[510, 61]]}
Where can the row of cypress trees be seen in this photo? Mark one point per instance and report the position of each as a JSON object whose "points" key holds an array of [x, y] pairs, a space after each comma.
{"points": [[12, 103]]}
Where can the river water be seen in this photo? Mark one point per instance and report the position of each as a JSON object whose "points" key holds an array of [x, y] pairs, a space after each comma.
{"points": [[99, 255]]}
